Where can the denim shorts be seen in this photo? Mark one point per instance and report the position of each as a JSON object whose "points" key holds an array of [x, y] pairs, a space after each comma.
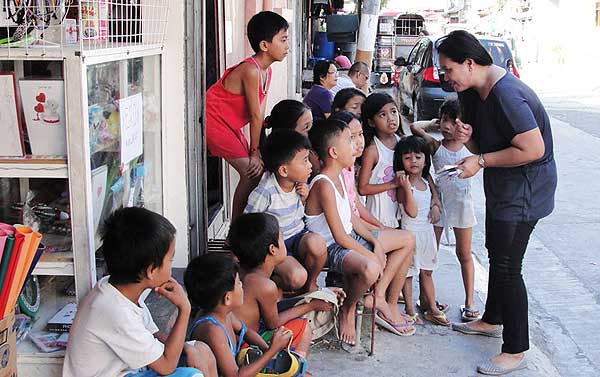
{"points": [[293, 243], [336, 253]]}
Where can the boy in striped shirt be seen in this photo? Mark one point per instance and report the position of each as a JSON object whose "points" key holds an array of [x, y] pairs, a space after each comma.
{"points": [[282, 192]]}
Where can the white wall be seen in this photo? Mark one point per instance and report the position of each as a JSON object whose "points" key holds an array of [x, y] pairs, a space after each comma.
{"points": [[174, 136]]}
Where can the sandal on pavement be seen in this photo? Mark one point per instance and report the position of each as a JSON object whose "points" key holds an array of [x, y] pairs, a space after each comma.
{"points": [[441, 307], [492, 369], [393, 327], [415, 318], [401, 326], [467, 314], [466, 329], [438, 319]]}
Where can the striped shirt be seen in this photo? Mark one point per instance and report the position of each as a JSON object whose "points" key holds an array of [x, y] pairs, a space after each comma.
{"points": [[287, 207]]}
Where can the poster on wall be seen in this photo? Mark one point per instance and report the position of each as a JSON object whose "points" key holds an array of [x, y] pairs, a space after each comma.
{"points": [[11, 142], [44, 112], [131, 119]]}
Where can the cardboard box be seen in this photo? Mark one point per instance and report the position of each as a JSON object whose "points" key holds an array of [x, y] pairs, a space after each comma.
{"points": [[8, 347]]}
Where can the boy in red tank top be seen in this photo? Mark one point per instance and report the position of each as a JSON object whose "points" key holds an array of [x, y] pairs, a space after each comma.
{"points": [[238, 98]]}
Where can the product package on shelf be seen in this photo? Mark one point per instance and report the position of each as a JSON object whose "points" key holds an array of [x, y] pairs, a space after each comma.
{"points": [[11, 142]]}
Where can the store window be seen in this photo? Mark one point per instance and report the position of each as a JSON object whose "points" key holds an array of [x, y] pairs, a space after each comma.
{"points": [[124, 114]]}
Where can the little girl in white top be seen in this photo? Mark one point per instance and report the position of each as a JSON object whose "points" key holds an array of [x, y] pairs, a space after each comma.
{"points": [[377, 179], [456, 198], [412, 163]]}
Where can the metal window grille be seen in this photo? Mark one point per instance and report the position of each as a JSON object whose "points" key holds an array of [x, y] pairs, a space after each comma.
{"points": [[47, 27]]}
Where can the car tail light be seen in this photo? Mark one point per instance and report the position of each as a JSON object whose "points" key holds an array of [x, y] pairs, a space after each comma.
{"points": [[515, 72], [431, 74]]}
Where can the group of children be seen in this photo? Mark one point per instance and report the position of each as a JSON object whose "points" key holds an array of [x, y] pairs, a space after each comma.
{"points": [[306, 211]]}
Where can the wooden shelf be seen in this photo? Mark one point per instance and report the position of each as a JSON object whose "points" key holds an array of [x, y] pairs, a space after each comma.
{"points": [[33, 167], [60, 263]]}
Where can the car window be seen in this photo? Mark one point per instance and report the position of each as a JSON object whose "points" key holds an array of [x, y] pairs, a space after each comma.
{"points": [[413, 53], [498, 50], [424, 57]]}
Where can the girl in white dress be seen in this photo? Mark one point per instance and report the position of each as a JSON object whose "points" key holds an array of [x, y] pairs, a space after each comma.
{"points": [[377, 179], [457, 201], [412, 162]]}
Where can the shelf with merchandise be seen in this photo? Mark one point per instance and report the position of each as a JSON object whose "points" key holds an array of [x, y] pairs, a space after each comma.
{"points": [[34, 167], [52, 29]]}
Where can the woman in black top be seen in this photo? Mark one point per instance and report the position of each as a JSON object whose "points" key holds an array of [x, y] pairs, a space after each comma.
{"points": [[506, 127]]}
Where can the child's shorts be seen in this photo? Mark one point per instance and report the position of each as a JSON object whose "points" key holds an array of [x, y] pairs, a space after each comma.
{"points": [[425, 257], [179, 372], [293, 243], [336, 253]]}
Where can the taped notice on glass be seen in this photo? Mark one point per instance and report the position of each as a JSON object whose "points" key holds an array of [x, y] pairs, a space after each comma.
{"points": [[131, 118]]}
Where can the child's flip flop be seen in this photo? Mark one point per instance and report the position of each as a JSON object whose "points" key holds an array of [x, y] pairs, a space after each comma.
{"points": [[441, 307], [438, 319], [468, 315]]}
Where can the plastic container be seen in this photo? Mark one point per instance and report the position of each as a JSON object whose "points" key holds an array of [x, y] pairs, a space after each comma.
{"points": [[322, 48]]}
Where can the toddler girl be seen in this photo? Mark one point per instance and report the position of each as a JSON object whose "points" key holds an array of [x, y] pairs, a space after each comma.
{"points": [[456, 198], [412, 162]]}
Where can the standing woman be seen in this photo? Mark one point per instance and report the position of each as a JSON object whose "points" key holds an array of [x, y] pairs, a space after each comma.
{"points": [[320, 97], [508, 131]]}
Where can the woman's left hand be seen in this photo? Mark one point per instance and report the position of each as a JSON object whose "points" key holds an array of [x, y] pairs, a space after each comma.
{"points": [[469, 166]]}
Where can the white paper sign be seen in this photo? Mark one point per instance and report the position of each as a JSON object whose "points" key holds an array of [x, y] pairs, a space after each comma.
{"points": [[132, 127], [99, 177], [11, 143]]}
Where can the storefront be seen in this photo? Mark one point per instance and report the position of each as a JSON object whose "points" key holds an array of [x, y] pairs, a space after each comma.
{"points": [[120, 123]]}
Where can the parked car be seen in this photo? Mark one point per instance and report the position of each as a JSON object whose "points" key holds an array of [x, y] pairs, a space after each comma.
{"points": [[420, 88]]}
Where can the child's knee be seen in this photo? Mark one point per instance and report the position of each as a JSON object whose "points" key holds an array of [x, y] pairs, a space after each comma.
{"points": [[316, 247], [464, 256], [426, 274], [370, 272], [297, 278], [205, 353]]}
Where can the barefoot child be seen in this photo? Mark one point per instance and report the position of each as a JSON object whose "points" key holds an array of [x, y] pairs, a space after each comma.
{"points": [[213, 284], [354, 251], [412, 163], [256, 241], [238, 98], [282, 192], [455, 195], [113, 333]]}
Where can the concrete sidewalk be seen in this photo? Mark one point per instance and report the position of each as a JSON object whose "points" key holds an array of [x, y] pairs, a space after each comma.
{"points": [[433, 350]]}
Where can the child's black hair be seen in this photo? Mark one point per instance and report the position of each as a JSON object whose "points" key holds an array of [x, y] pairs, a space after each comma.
{"points": [[134, 239], [208, 278], [450, 108], [461, 45], [264, 26], [285, 114], [250, 236], [321, 70], [344, 116], [372, 105], [281, 146], [415, 144], [343, 96], [324, 133]]}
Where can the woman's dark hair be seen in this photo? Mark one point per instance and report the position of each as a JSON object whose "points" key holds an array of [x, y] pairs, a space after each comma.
{"points": [[285, 114], [134, 239], [372, 105], [250, 236], [461, 45], [320, 71], [263, 26], [415, 144], [208, 278], [343, 96], [450, 108]]}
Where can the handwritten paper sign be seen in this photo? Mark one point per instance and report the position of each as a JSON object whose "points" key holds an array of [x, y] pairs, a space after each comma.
{"points": [[132, 128], [11, 142]]}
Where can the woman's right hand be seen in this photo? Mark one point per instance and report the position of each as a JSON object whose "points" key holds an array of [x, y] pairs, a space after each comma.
{"points": [[462, 132], [255, 166], [281, 338]]}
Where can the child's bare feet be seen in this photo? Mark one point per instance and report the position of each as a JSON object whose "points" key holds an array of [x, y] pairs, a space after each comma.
{"points": [[347, 317]]}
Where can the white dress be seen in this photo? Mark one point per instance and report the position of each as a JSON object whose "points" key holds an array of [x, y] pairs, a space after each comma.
{"points": [[425, 257], [455, 193], [384, 206]]}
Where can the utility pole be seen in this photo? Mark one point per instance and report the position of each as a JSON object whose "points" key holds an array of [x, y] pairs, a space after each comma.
{"points": [[367, 32]]}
